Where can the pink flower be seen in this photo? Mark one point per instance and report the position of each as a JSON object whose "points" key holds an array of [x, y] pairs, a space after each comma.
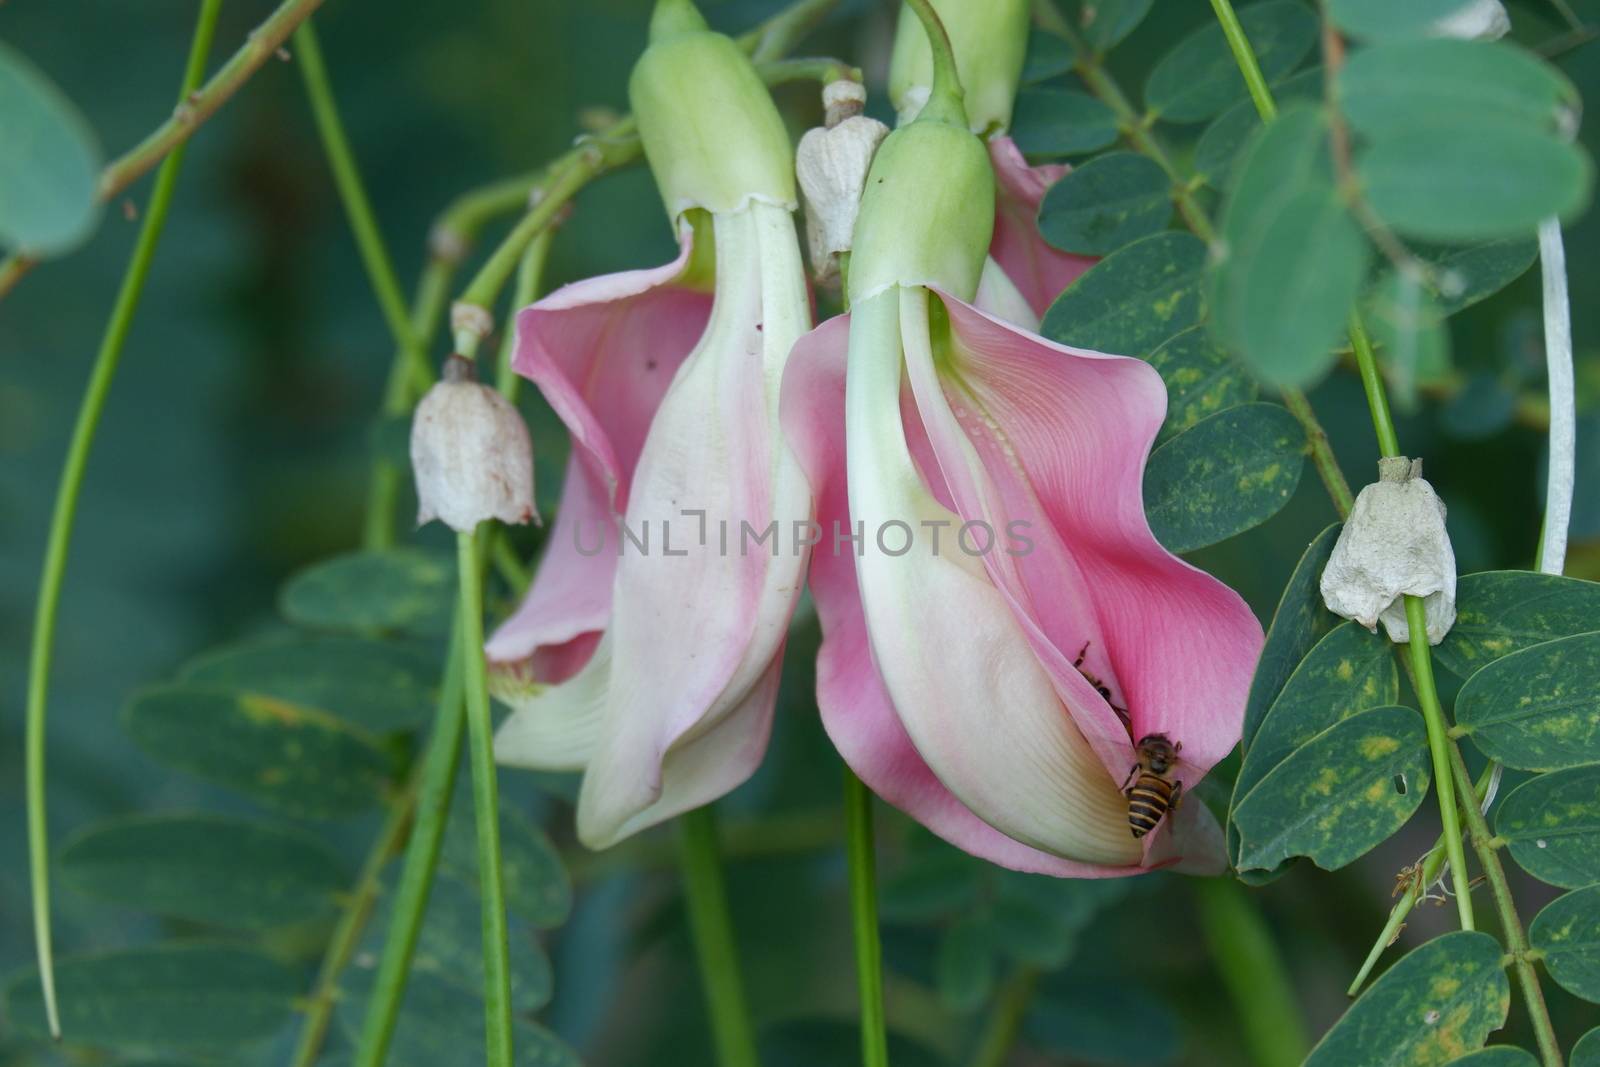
{"points": [[952, 692]]}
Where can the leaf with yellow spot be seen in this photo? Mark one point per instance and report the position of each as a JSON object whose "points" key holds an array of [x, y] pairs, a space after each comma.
{"points": [[300, 760], [1202, 379], [1500, 612], [1337, 794], [1439, 1003], [1537, 709], [1567, 932], [1552, 826]]}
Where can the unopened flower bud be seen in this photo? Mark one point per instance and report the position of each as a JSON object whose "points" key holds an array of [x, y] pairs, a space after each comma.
{"points": [[470, 454], [1394, 545], [832, 167]]}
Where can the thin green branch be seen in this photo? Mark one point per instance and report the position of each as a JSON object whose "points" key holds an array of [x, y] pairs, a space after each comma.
{"points": [[864, 915], [1010, 1007], [421, 860], [485, 808], [1136, 128], [352, 922], [1245, 58], [347, 176], [195, 106], [776, 36], [1253, 973], [62, 520], [706, 898]]}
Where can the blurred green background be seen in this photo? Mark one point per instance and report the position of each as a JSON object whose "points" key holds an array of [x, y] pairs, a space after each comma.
{"points": [[235, 449]]}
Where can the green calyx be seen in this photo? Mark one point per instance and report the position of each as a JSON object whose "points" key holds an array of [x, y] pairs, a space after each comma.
{"points": [[712, 135], [928, 210], [989, 40]]}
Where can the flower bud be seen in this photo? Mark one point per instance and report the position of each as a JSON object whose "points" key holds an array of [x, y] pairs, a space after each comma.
{"points": [[470, 454], [832, 167], [990, 38], [1394, 545], [710, 130]]}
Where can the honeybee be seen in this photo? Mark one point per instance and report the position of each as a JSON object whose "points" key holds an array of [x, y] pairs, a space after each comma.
{"points": [[1101, 687], [1151, 793]]}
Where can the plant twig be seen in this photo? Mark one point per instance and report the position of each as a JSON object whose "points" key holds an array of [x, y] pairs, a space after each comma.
{"points": [[62, 520], [1253, 973], [194, 107], [1001, 1031], [864, 915], [711, 925]]}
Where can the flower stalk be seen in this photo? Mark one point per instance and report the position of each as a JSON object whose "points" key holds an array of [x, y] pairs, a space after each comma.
{"points": [[63, 518], [711, 926], [864, 917]]}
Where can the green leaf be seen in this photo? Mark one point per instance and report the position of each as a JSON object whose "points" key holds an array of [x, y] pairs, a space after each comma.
{"points": [[1567, 931], [1347, 671], [183, 996], [1484, 406], [450, 949], [966, 965], [1298, 623], [1199, 78], [1223, 140], [50, 168], [930, 886], [1393, 91], [1386, 19], [1497, 1056], [1295, 258], [1466, 181], [1201, 379], [1536, 709], [537, 886], [1108, 202], [1552, 826], [1222, 476], [1104, 23], [1459, 276], [1500, 612], [1339, 795], [1051, 123], [1133, 301], [298, 760], [380, 686], [1586, 1053], [206, 868], [1439, 1001], [403, 589], [1047, 56], [442, 1023]]}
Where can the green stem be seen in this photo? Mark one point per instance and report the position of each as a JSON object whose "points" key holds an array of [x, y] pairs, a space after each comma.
{"points": [[864, 916], [530, 279], [711, 925], [352, 921], [945, 94], [822, 69], [1244, 56], [62, 520], [485, 808], [422, 858], [1438, 744], [197, 104], [778, 35], [1011, 1005], [1253, 973], [1423, 875], [1372, 384], [347, 176], [1137, 130]]}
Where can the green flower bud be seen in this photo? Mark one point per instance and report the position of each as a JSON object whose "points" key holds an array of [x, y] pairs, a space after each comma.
{"points": [[990, 38], [927, 213], [712, 135]]}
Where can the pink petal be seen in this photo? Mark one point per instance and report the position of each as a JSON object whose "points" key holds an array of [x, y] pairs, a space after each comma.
{"points": [[1056, 437], [603, 352], [856, 708], [1039, 271]]}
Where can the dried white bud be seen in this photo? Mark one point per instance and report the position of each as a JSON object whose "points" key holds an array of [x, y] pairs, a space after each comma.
{"points": [[470, 318], [1394, 544], [842, 99], [832, 167], [1482, 20], [470, 454]]}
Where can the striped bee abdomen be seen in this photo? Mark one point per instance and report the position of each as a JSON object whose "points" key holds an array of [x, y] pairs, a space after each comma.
{"points": [[1148, 800]]}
